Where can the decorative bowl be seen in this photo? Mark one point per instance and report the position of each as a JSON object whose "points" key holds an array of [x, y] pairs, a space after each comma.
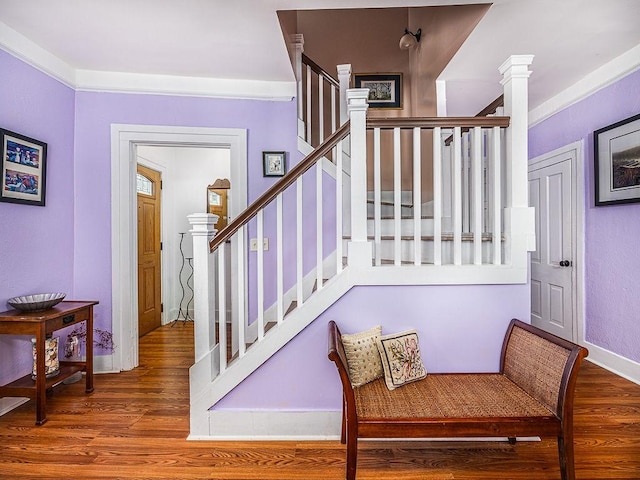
{"points": [[36, 303]]}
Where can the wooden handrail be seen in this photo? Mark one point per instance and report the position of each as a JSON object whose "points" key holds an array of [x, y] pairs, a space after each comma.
{"points": [[319, 70], [280, 186], [432, 122]]}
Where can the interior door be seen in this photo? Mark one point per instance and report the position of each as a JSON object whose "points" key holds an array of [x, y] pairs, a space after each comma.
{"points": [[149, 248], [550, 193]]}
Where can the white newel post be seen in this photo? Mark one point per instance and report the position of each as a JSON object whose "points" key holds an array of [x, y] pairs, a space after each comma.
{"points": [[519, 218], [344, 79], [360, 250], [202, 231], [297, 45]]}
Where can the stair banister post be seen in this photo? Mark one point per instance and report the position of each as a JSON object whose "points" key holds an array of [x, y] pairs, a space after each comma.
{"points": [[344, 79], [297, 47], [202, 231], [519, 218], [359, 250]]}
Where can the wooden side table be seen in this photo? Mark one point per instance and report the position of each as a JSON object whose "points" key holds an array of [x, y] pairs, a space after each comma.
{"points": [[39, 325]]}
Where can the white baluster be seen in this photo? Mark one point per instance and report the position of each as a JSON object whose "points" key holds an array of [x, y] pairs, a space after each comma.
{"points": [[466, 200], [496, 166], [222, 305], [279, 262], [309, 76], [339, 206], [334, 120], [437, 196], [320, 108], [477, 203], [397, 198], [260, 273], [299, 243], [457, 197], [319, 236], [377, 194], [241, 320], [417, 197]]}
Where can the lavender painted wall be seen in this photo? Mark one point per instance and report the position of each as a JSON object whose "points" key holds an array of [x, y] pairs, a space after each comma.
{"points": [[612, 264], [460, 330], [36, 243], [270, 126]]}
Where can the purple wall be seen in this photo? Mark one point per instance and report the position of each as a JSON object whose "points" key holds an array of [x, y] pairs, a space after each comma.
{"points": [[36, 243], [270, 125], [612, 264], [460, 330]]}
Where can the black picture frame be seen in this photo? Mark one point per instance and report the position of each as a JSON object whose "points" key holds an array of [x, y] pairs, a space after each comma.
{"points": [[616, 153], [24, 168], [274, 164], [385, 89]]}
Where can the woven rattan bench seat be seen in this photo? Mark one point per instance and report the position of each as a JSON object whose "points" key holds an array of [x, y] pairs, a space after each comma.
{"points": [[447, 396]]}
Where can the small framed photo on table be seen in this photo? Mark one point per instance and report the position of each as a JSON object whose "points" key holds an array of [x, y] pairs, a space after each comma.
{"points": [[23, 169], [617, 162], [274, 164]]}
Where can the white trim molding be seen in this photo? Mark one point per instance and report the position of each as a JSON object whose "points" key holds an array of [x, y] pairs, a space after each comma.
{"points": [[29, 52], [607, 74], [124, 275], [613, 362]]}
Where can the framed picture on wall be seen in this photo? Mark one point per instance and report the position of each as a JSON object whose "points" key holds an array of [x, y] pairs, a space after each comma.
{"points": [[274, 164], [617, 162], [385, 89], [23, 169]]}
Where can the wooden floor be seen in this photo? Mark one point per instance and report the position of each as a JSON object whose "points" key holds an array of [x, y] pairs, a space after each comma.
{"points": [[135, 423]]}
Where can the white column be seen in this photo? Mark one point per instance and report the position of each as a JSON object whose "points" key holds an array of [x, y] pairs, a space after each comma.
{"points": [[360, 250], [202, 231], [297, 46], [344, 79], [519, 218]]}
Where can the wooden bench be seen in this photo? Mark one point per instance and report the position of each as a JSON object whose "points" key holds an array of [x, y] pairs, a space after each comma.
{"points": [[532, 395]]}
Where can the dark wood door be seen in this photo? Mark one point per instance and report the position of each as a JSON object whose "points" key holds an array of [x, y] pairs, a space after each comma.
{"points": [[149, 247]]}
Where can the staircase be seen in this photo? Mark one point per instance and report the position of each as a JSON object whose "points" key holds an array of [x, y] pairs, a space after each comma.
{"points": [[327, 231]]}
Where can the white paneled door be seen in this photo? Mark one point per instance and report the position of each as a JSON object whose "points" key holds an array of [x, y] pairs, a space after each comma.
{"points": [[552, 304]]}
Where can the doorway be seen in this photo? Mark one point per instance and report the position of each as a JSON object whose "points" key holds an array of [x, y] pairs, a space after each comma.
{"points": [[148, 191], [557, 194], [125, 141]]}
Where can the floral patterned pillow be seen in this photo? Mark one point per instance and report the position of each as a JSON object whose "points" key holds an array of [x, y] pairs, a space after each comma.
{"points": [[401, 359], [362, 355]]}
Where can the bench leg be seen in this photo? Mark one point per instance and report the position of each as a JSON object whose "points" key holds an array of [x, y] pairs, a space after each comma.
{"points": [[343, 433], [565, 453], [352, 456]]}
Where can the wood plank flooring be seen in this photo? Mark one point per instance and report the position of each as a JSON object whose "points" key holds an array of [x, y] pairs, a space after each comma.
{"points": [[135, 424]]}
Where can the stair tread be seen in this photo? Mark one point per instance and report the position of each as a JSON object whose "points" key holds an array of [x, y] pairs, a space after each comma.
{"points": [[466, 237], [402, 217]]}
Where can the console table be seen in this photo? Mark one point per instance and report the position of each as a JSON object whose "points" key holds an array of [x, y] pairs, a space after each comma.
{"points": [[39, 325]]}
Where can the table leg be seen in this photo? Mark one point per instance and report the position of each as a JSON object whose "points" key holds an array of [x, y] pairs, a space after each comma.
{"points": [[41, 378], [89, 353]]}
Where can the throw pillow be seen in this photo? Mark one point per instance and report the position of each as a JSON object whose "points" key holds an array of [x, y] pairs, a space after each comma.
{"points": [[401, 359], [362, 354]]}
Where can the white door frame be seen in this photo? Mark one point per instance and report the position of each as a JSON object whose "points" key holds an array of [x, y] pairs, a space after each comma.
{"points": [[124, 250], [576, 151]]}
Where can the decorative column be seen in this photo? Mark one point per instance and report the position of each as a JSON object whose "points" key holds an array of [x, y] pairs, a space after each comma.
{"points": [[297, 47], [202, 231], [359, 250], [519, 218]]}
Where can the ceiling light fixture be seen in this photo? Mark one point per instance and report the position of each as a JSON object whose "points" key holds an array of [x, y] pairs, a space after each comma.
{"points": [[410, 39]]}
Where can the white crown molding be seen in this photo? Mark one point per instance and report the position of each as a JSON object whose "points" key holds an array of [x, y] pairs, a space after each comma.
{"points": [[90, 80], [607, 74], [21, 47]]}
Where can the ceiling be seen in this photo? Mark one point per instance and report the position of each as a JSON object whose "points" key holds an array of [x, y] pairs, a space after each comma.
{"points": [[242, 40]]}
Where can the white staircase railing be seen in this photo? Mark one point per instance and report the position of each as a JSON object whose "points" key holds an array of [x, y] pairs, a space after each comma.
{"points": [[309, 263]]}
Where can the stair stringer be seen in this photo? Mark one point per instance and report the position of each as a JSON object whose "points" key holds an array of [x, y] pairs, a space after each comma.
{"points": [[258, 353]]}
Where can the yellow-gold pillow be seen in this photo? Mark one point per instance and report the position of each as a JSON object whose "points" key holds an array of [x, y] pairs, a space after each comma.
{"points": [[362, 354]]}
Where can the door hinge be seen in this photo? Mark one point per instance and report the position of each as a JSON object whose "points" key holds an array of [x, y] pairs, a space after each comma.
{"points": [[161, 307], [160, 245], [160, 184]]}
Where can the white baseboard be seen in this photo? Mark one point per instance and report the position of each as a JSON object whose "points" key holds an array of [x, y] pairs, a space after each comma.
{"points": [[613, 362], [272, 425], [9, 403]]}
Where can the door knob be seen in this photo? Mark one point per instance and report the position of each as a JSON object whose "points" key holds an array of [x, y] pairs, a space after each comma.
{"points": [[565, 263]]}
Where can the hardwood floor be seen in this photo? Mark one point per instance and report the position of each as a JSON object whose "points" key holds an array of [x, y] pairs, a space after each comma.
{"points": [[135, 423]]}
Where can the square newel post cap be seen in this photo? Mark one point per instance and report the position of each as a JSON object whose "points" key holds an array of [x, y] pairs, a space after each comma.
{"points": [[516, 66], [357, 99], [202, 223]]}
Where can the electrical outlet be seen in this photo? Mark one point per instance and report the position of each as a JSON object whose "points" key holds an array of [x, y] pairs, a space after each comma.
{"points": [[253, 244]]}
